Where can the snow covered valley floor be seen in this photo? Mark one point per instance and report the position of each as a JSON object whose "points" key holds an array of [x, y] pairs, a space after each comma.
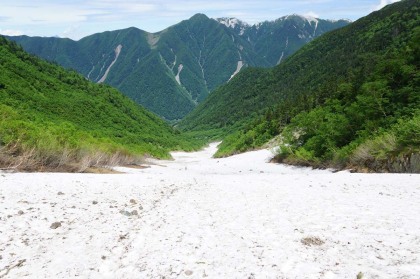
{"points": [[198, 217]]}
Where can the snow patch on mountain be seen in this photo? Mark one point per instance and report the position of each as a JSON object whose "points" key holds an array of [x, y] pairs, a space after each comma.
{"points": [[282, 54], [238, 69], [281, 58], [180, 67], [234, 23], [93, 68], [309, 18], [231, 22], [117, 53]]}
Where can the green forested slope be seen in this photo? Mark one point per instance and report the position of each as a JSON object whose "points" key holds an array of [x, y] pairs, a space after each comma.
{"points": [[52, 116], [202, 52], [339, 96]]}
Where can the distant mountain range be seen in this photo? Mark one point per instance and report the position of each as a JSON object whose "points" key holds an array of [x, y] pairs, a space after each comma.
{"points": [[172, 71]]}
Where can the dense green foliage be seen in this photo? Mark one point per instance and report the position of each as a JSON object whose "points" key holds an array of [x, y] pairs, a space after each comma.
{"points": [[139, 72], [148, 64], [344, 92], [51, 113]]}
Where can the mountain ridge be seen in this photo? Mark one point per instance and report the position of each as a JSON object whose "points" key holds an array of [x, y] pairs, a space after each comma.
{"points": [[173, 70]]}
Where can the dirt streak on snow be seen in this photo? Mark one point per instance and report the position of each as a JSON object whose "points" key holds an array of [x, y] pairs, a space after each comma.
{"points": [[238, 217]]}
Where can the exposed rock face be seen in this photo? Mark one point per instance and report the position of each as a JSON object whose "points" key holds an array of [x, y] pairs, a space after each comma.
{"points": [[402, 164], [408, 164]]}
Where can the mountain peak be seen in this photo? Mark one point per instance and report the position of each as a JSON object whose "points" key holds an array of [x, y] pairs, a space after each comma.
{"points": [[199, 16]]}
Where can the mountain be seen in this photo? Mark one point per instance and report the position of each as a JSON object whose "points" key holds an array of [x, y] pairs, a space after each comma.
{"points": [[172, 71], [276, 40], [56, 119], [349, 97]]}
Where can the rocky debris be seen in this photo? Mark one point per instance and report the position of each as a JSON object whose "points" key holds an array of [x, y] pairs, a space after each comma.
{"points": [[125, 213], [188, 272], [128, 213], [123, 236], [141, 207], [60, 193], [133, 201], [312, 241], [94, 202], [20, 212], [55, 225]]}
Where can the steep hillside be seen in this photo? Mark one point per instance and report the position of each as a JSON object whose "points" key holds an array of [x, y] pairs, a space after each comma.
{"points": [[335, 94], [52, 117], [171, 71]]}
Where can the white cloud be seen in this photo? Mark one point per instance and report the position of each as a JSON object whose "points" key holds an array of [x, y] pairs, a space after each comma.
{"points": [[71, 31], [311, 14], [38, 14], [383, 3], [10, 32]]}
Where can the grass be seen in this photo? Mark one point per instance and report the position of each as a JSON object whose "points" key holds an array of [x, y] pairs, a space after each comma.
{"points": [[54, 119]]}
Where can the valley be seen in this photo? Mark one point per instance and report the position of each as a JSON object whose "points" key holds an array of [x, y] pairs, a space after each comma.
{"points": [[214, 148], [343, 100], [171, 71], [348, 99]]}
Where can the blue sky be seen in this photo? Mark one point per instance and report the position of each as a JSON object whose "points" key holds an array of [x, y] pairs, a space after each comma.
{"points": [[78, 18]]}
